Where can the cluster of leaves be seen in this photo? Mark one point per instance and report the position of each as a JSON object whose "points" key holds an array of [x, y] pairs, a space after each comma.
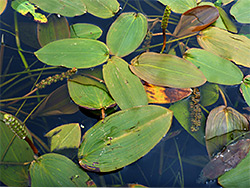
{"points": [[125, 136]]}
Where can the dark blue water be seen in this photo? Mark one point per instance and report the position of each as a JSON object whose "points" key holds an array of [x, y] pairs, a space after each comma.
{"points": [[161, 167]]}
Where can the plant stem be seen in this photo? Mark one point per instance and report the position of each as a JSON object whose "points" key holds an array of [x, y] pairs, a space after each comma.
{"points": [[223, 97]]}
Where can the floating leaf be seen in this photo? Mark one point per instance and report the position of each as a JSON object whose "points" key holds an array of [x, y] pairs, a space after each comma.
{"points": [[89, 93], [55, 29], [24, 7], [74, 53], [240, 10], [226, 20], [163, 95], [195, 20], [126, 88], [227, 45], [15, 156], [216, 69], [179, 6], [55, 170], [3, 4], [69, 8], [84, 30], [166, 70], [245, 89], [102, 8], [223, 125], [237, 177], [64, 137], [123, 137], [209, 94], [182, 113], [57, 103], [226, 160], [126, 33]]}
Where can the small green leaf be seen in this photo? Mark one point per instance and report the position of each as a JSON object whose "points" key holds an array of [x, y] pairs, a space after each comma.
{"points": [[126, 33], [126, 88], [55, 170], [123, 137], [102, 8], [74, 53], [245, 89], [24, 7], [89, 93], [226, 20], [64, 137], [240, 10], [227, 45], [69, 8], [209, 94], [83, 30], [179, 6], [166, 70], [55, 29], [216, 69]]}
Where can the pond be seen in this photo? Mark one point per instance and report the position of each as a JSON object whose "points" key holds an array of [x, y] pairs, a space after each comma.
{"points": [[125, 93]]}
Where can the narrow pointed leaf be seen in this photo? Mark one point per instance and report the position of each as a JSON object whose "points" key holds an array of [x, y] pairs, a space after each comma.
{"points": [[84, 30], [126, 33], [166, 70], [102, 8], [179, 6], [74, 53], [216, 69], [227, 45], [123, 137], [55, 170], [227, 21], [69, 8], [196, 19], [126, 88]]}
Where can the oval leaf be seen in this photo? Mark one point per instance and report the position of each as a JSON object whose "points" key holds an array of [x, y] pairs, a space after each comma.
{"points": [[74, 53], [166, 70], [69, 8], [126, 88], [216, 69], [126, 33], [196, 19], [209, 94], [179, 6], [89, 93], [55, 29], [123, 137], [83, 30], [102, 8], [55, 170], [64, 137], [3, 4], [227, 45], [240, 10], [245, 89]]}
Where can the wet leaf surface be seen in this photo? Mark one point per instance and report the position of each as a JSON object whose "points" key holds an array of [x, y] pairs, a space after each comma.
{"points": [[84, 30]]}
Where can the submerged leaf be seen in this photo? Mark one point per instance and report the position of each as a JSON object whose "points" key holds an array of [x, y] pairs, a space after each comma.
{"points": [[166, 70], [196, 19], [126, 88], [123, 137], [227, 45]]}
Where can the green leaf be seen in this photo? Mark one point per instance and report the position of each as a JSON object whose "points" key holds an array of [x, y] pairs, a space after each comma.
{"points": [[24, 7], [216, 69], [226, 21], [166, 70], [237, 177], [64, 137], [209, 94], [179, 6], [89, 93], [126, 88], [3, 4], [15, 156], [79, 53], [240, 10], [55, 29], [55, 170], [227, 45], [245, 89], [69, 8], [84, 30], [126, 33], [123, 137], [102, 8], [182, 113]]}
